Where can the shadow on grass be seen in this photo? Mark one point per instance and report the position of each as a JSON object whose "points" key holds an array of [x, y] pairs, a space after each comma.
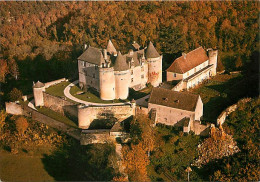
{"points": [[74, 162]]}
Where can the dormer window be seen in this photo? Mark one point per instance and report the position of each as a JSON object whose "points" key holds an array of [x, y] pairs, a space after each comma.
{"points": [[165, 99]]}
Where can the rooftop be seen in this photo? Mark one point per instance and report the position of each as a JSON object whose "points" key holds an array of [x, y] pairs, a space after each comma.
{"points": [[188, 61], [169, 98]]}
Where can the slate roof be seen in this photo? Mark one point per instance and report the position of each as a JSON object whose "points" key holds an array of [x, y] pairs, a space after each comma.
{"points": [[111, 48], [151, 51], [136, 56], [38, 85], [194, 58], [92, 55], [169, 98], [120, 63]]}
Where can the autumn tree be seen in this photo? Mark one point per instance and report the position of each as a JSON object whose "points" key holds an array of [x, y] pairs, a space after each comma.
{"points": [[13, 68], [3, 116], [21, 125], [135, 161], [15, 94], [3, 70]]}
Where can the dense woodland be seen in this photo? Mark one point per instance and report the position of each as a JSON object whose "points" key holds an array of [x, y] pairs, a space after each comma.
{"points": [[41, 40]]}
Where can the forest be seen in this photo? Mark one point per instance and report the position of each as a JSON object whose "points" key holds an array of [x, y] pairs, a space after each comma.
{"points": [[41, 40]]}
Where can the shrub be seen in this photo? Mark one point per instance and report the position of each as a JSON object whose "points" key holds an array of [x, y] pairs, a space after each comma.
{"points": [[21, 125], [15, 94]]}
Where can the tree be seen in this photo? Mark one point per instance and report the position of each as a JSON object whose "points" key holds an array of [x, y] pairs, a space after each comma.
{"points": [[3, 70], [13, 68], [239, 62], [3, 116], [135, 161], [21, 125], [15, 95]]}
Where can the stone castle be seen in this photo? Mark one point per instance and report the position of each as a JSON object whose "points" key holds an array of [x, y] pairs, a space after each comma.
{"points": [[112, 74]]}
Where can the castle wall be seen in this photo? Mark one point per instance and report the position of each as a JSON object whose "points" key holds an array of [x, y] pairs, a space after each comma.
{"points": [[139, 76], [107, 83], [13, 108], [196, 69], [168, 115], [60, 105], [38, 96], [199, 109], [122, 84], [155, 71], [87, 114], [48, 84], [90, 72], [213, 59]]}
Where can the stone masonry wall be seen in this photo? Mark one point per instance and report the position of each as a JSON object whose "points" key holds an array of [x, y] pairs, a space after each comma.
{"points": [[87, 114], [60, 105], [13, 108]]}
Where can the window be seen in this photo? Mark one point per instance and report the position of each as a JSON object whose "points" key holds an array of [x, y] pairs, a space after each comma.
{"points": [[132, 80], [174, 74], [142, 76], [93, 75], [132, 72], [83, 63]]}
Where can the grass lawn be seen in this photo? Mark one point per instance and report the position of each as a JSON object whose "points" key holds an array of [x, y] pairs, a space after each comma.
{"points": [[91, 96], [22, 167], [218, 93], [57, 116], [57, 90]]}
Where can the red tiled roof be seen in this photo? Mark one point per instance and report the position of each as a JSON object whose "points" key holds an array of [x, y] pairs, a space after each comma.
{"points": [[194, 58]]}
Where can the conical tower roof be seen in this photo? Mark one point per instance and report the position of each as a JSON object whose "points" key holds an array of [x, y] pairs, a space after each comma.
{"points": [[151, 51], [111, 48], [38, 85], [120, 63]]}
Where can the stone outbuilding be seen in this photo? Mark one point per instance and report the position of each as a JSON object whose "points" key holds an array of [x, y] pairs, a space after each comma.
{"points": [[193, 68], [175, 108]]}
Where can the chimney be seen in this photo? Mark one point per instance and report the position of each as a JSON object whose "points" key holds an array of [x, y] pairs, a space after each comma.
{"points": [[105, 54], [85, 46], [184, 55]]}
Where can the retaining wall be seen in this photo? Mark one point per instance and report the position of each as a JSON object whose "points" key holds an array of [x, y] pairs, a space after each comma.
{"points": [[60, 105], [222, 117], [87, 114]]}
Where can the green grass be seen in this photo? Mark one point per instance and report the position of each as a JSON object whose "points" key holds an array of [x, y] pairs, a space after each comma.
{"points": [[57, 116], [91, 96], [218, 93], [174, 152], [57, 90], [22, 167]]}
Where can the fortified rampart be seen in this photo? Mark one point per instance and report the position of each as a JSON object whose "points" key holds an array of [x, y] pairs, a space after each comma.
{"points": [[60, 105], [86, 114]]}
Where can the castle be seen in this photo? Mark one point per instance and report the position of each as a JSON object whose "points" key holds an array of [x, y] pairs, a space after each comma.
{"points": [[112, 74]]}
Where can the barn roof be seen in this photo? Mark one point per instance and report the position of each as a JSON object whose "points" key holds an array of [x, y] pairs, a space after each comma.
{"points": [[188, 61], [180, 100]]}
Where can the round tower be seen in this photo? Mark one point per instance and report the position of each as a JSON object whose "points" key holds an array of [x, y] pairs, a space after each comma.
{"points": [[154, 65], [107, 83], [213, 59], [83, 117], [122, 77], [38, 90]]}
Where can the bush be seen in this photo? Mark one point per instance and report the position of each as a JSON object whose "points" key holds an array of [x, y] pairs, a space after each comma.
{"points": [[21, 125], [15, 94]]}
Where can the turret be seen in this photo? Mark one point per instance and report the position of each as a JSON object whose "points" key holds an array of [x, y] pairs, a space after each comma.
{"points": [[38, 90], [107, 83], [111, 48], [122, 77], [154, 65], [213, 59]]}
